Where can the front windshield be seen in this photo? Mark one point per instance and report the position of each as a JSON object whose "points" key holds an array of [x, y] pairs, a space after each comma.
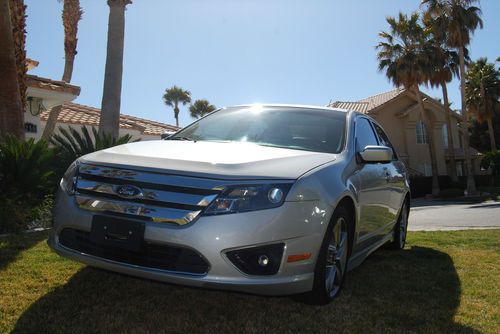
{"points": [[295, 128]]}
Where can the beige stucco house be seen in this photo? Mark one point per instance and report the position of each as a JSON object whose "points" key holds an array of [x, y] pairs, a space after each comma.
{"points": [[44, 93], [398, 112]]}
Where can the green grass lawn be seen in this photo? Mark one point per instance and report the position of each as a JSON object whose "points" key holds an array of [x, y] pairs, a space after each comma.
{"points": [[442, 282]]}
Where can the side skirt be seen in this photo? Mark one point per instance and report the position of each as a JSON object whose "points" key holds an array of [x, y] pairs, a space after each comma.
{"points": [[358, 258]]}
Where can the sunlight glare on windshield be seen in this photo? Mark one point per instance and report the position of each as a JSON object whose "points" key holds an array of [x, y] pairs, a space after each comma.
{"points": [[256, 109]]}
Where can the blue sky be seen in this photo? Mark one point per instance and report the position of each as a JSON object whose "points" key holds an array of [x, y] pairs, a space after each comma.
{"points": [[234, 51]]}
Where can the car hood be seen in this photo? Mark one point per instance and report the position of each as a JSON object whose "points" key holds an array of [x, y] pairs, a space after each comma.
{"points": [[221, 160]]}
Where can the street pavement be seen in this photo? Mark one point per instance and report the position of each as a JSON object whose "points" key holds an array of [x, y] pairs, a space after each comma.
{"points": [[429, 215]]}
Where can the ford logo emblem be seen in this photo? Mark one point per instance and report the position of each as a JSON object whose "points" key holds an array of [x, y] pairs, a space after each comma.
{"points": [[128, 191]]}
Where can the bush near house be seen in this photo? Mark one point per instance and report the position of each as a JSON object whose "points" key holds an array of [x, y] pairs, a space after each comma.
{"points": [[30, 172], [422, 185], [492, 160], [27, 182], [71, 144]]}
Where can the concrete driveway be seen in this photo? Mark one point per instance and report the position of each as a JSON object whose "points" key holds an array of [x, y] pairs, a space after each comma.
{"points": [[429, 215]]}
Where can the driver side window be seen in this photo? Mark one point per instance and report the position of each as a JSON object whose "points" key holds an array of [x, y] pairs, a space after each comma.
{"points": [[364, 134]]}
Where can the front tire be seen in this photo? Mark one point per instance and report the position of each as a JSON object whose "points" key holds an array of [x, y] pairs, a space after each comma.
{"points": [[331, 265], [400, 229]]}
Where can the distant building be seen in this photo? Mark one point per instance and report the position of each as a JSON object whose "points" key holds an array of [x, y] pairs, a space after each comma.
{"points": [[44, 94], [398, 112]]}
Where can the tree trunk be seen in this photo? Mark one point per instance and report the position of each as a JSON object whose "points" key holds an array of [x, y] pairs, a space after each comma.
{"points": [[72, 13], [55, 111], [68, 68], [471, 184], [11, 106], [451, 146], [111, 97], [51, 122], [18, 23], [176, 114], [492, 135], [432, 143]]}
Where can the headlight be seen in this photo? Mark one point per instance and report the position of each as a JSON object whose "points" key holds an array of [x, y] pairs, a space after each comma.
{"points": [[249, 198], [68, 181]]}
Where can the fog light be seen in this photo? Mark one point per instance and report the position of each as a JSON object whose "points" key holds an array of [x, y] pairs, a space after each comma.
{"points": [[260, 260], [263, 260]]}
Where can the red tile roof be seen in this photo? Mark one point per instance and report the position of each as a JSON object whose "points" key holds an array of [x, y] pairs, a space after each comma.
{"points": [[368, 104], [73, 113], [52, 85]]}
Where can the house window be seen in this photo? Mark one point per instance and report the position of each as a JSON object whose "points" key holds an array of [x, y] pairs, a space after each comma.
{"points": [[422, 137], [30, 127], [460, 169], [425, 169], [444, 133]]}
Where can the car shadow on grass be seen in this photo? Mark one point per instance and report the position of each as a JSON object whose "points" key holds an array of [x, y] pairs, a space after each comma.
{"points": [[11, 246], [415, 290]]}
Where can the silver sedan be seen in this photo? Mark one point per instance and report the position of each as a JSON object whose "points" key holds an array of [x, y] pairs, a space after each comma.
{"points": [[268, 199]]}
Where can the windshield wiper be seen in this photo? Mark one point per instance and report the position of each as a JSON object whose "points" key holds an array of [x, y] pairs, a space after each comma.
{"points": [[181, 138]]}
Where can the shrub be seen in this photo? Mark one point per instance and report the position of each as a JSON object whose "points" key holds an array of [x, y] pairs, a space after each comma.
{"points": [[451, 193], [27, 181], [71, 144], [492, 160], [20, 214], [25, 168]]}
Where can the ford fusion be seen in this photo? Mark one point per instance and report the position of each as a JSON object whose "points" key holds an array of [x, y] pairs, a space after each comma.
{"points": [[270, 200]]}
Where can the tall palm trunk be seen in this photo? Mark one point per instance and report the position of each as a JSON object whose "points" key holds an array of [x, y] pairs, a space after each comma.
{"points": [[492, 134], [432, 143], [451, 145], [72, 13], [489, 117], [471, 184], [18, 22], [111, 97], [176, 114], [11, 106]]}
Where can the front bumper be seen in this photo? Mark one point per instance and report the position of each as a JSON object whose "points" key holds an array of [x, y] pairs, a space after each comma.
{"points": [[299, 225]]}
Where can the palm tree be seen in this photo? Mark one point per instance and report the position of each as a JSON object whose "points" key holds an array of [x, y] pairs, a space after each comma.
{"points": [[461, 19], [482, 90], [201, 108], [175, 95], [405, 56], [111, 96], [446, 66], [71, 14], [11, 106], [18, 21]]}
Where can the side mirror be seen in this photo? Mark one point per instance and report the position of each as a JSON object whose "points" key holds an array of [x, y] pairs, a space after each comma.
{"points": [[376, 154]]}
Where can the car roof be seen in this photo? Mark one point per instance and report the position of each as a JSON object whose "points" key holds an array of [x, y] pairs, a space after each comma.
{"points": [[298, 106]]}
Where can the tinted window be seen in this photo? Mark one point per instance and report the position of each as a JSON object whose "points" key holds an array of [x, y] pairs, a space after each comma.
{"points": [[294, 128], [384, 140], [364, 134]]}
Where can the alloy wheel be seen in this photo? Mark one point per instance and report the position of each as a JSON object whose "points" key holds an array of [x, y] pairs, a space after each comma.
{"points": [[336, 257]]}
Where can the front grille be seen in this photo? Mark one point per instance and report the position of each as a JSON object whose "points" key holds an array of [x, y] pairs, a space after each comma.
{"points": [[153, 196], [175, 259]]}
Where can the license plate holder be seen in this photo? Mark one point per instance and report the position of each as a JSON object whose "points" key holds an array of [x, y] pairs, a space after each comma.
{"points": [[117, 232]]}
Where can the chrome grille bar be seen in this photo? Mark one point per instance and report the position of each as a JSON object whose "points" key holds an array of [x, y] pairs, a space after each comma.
{"points": [[209, 186], [158, 197], [147, 194], [155, 213]]}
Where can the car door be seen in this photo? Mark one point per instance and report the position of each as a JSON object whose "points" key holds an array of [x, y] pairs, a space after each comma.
{"points": [[373, 190], [396, 177]]}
